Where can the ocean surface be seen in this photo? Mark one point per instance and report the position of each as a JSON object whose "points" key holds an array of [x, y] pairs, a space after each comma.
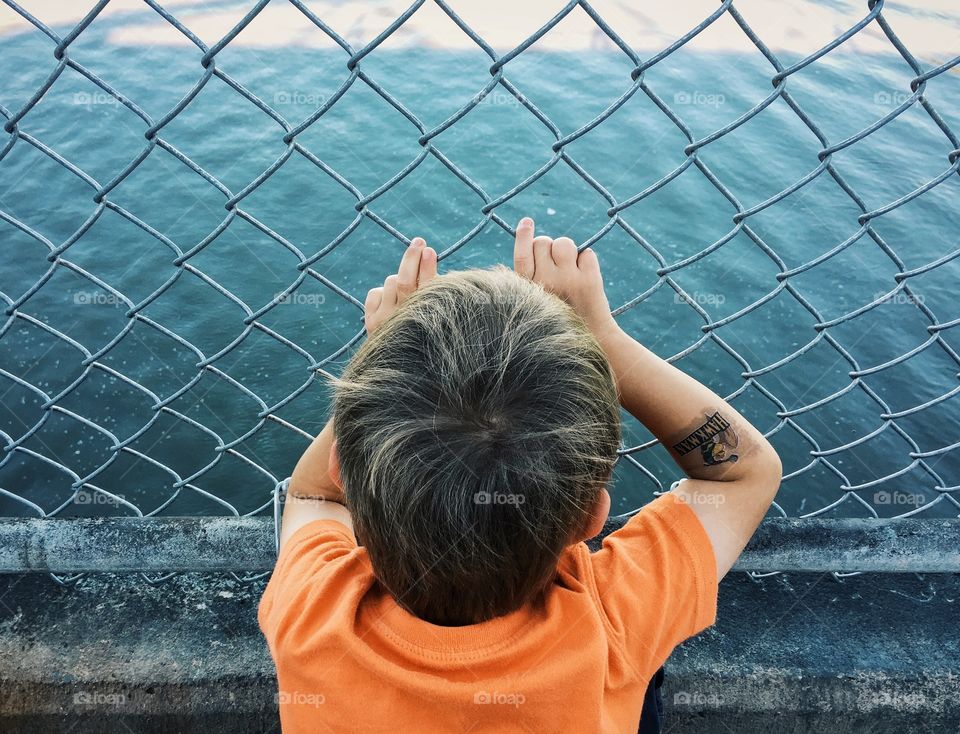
{"points": [[210, 286]]}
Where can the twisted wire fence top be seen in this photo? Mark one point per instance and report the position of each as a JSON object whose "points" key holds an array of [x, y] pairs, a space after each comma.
{"points": [[39, 411]]}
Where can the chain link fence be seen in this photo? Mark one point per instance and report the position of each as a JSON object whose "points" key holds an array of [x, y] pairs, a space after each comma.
{"points": [[36, 412]]}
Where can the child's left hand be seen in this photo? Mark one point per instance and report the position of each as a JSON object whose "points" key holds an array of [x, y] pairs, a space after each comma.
{"points": [[418, 265]]}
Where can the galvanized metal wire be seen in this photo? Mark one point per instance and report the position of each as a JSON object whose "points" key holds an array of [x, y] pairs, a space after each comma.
{"points": [[939, 464]]}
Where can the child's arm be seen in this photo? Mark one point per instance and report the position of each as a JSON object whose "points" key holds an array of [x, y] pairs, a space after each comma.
{"points": [[733, 471], [314, 492]]}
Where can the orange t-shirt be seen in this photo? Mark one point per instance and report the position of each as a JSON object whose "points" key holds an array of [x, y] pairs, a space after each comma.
{"points": [[350, 659]]}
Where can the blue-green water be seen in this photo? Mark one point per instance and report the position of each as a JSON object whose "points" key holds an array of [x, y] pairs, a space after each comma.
{"points": [[497, 145]]}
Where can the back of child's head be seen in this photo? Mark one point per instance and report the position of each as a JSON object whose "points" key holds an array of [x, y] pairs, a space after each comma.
{"points": [[475, 429]]}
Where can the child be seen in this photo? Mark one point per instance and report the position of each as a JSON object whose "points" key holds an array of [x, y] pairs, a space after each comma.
{"points": [[432, 575]]}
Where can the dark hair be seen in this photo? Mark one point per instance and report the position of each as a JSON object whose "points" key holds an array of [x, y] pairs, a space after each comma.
{"points": [[475, 429]]}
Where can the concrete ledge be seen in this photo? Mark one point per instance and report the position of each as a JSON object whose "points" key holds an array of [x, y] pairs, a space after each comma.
{"points": [[247, 544], [137, 544], [798, 653], [115, 654]]}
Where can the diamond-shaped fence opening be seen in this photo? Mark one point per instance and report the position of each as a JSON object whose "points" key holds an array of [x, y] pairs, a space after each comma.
{"points": [[188, 240]]}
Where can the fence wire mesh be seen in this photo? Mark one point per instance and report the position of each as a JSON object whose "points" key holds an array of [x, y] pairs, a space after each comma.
{"points": [[930, 468]]}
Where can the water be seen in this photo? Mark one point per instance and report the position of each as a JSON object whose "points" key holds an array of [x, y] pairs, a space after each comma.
{"points": [[497, 145]]}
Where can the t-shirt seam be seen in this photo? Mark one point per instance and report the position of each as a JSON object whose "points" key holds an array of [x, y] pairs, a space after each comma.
{"points": [[700, 585], [440, 654], [594, 592], [700, 581], [289, 554], [343, 531], [697, 570], [295, 543]]}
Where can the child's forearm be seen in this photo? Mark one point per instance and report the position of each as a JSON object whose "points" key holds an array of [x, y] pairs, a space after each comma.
{"points": [[311, 477], [705, 436]]}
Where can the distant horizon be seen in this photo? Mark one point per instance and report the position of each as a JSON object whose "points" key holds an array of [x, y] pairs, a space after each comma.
{"points": [[800, 27]]}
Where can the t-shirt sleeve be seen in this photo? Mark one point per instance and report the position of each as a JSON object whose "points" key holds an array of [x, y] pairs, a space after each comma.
{"points": [[656, 581], [300, 569]]}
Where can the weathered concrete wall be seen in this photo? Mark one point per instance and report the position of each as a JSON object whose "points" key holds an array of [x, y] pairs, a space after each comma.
{"points": [[247, 544], [799, 653], [804, 653]]}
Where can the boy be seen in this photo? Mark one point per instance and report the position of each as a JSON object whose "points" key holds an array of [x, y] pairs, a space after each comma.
{"points": [[432, 575]]}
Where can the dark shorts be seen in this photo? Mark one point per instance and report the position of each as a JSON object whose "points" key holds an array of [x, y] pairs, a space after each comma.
{"points": [[651, 719]]}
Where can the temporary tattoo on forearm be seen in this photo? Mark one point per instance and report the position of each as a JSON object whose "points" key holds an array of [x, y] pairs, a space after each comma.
{"points": [[716, 440], [715, 424]]}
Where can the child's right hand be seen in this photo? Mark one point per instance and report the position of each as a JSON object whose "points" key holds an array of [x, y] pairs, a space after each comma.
{"points": [[418, 266], [574, 277]]}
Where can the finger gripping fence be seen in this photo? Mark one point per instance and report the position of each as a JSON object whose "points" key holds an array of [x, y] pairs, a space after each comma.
{"points": [[932, 469]]}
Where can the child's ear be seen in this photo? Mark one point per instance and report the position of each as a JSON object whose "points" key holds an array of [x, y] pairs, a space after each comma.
{"points": [[333, 466], [598, 516]]}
